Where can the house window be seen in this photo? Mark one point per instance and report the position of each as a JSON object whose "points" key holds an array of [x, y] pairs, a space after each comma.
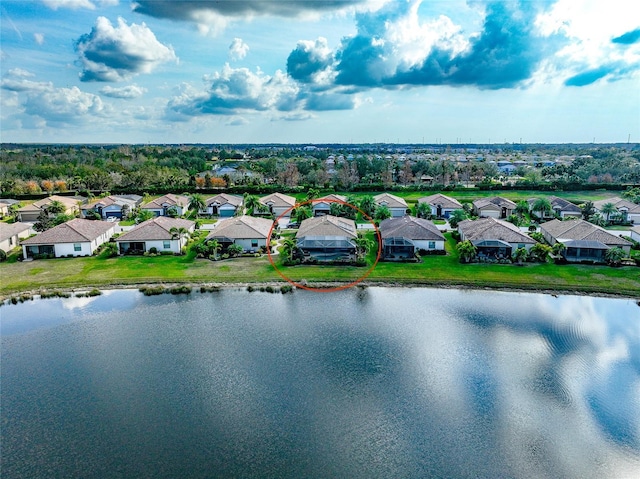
{"points": [[254, 243], [166, 244], [520, 245], [432, 245], [77, 247]]}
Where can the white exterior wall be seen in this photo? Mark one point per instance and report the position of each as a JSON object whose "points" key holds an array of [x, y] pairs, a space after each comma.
{"points": [[246, 243], [279, 210], [424, 244], [635, 236], [489, 214], [175, 245], [398, 212], [6, 247], [634, 218], [564, 214], [64, 249], [527, 246]]}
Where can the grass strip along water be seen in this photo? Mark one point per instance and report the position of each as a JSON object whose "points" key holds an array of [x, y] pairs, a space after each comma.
{"points": [[434, 271]]}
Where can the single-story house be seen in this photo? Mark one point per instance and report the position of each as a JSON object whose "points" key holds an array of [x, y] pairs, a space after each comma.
{"points": [[403, 237], [76, 237], [278, 203], [12, 233], [5, 206], [584, 241], [634, 233], [247, 231], [560, 208], [322, 206], [397, 206], [441, 205], [222, 205], [628, 210], [162, 205], [494, 238], [495, 207], [114, 206], [30, 213], [327, 238], [156, 233]]}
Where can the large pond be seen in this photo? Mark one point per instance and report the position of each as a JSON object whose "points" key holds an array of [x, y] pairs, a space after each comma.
{"points": [[364, 383]]}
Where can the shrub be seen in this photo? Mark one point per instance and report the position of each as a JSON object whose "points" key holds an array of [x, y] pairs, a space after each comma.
{"points": [[250, 288], [153, 250], [270, 289], [287, 288], [180, 290], [3, 256]]}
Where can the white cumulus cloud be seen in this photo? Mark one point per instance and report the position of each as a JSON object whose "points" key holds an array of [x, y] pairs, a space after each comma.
{"points": [[238, 49], [127, 92], [116, 53]]}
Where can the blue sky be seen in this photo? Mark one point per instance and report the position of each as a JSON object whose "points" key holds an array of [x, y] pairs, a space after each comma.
{"points": [[307, 71]]}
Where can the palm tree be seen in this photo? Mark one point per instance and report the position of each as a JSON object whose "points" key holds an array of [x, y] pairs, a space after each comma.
{"points": [[608, 209], [559, 248], [540, 252], [144, 215], [55, 208], [542, 206], [456, 217], [197, 203], [588, 210], [614, 256], [288, 248], [252, 204], [302, 213], [178, 233], [522, 208], [521, 255], [363, 245], [214, 247], [368, 205], [382, 213], [423, 210], [467, 251]]}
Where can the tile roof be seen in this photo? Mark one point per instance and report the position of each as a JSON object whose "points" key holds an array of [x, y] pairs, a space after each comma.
{"points": [[76, 230], [616, 201], [7, 230], [327, 225], [581, 230], [242, 227], [169, 199], [70, 202], [498, 201], [155, 229], [411, 228], [392, 201], [224, 199], [111, 200], [492, 229], [278, 200], [442, 200], [330, 197]]}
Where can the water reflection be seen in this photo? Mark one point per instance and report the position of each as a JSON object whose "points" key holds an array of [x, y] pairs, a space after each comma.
{"points": [[376, 382]]}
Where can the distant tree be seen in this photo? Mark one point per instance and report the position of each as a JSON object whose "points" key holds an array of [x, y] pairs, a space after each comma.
{"points": [[32, 187], [456, 217], [55, 208], [197, 203], [252, 204], [516, 220], [423, 210], [172, 212], [48, 186], [382, 213], [467, 251], [368, 205], [632, 194], [597, 219], [588, 210], [608, 209], [200, 182], [312, 194], [542, 207], [60, 185], [144, 215], [522, 208], [301, 213], [92, 215], [43, 222]]}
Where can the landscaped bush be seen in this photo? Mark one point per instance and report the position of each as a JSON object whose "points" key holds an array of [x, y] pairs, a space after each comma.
{"points": [[287, 288], [3, 256], [180, 290], [431, 252], [153, 250]]}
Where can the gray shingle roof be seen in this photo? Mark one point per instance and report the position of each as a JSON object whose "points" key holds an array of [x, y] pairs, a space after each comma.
{"points": [[242, 227], [169, 199], [70, 202], [155, 229], [392, 201], [7, 230], [278, 200], [76, 230], [327, 225], [492, 229], [496, 201], [442, 200], [411, 228], [581, 230], [223, 199]]}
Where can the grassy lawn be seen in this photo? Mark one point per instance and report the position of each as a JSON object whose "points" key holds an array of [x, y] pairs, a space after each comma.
{"points": [[432, 271]]}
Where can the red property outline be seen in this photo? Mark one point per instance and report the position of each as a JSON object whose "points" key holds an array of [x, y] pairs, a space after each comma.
{"points": [[337, 288]]}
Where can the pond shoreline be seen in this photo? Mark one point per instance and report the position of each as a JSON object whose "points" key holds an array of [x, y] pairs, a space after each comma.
{"points": [[276, 286]]}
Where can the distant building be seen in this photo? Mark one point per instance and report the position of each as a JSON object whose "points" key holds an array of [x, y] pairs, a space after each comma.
{"points": [[327, 238], [77, 237]]}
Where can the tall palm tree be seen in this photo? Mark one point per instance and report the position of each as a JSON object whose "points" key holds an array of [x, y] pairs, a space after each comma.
{"points": [[179, 233], [542, 206], [197, 203], [467, 251], [363, 245], [214, 247], [522, 208], [55, 208], [288, 248], [252, 204], [608, 209], [521, 254], [302, 213]]}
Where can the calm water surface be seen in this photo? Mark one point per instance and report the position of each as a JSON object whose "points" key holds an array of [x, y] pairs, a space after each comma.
{"points": [[364, 383]]}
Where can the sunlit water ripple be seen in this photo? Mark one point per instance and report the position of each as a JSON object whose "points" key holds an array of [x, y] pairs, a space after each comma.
{"points": [[376, 382]]}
